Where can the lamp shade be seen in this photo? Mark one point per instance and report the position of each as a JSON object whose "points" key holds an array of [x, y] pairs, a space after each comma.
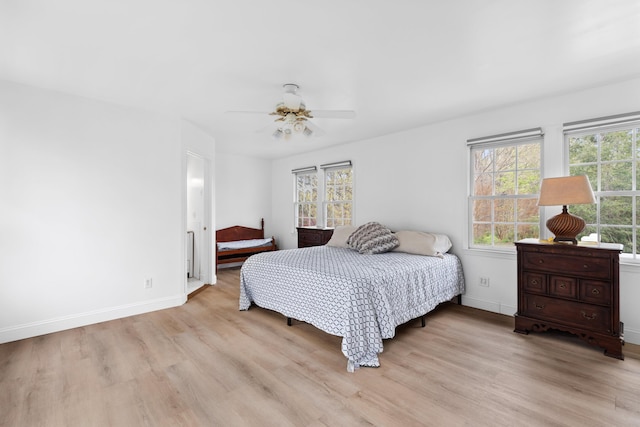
{"points": [[566, 190]]}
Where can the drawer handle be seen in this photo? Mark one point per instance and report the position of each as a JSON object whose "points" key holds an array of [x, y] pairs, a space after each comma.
{"points": [[585, 266], [538, 306], [592, 317], [562, 285], [595, 291], [541, 261], [534, 282]]}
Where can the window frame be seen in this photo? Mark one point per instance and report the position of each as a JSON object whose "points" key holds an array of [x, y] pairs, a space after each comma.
{"points": [[512, 139], [325, 199], [321, 203], [598, 128], [298, 173]]}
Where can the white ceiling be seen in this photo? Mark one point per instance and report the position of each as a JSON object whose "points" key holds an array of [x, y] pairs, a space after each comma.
{"points": [[399, 64]]}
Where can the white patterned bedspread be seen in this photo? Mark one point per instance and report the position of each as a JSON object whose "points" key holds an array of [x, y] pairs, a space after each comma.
{"points": [[361, 298]]}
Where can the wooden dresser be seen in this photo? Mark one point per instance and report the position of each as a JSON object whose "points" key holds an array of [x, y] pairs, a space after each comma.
{"points": [[572, 288], [313, 236]]}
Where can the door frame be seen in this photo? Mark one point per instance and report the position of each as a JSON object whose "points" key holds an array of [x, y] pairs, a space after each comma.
{"points": [[206, 267]]}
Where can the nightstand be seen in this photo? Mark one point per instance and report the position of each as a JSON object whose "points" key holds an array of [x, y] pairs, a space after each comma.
{"points": [[313, 236], [571, 288]]}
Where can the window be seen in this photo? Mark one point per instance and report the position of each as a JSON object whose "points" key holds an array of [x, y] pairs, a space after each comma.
{"points": [[306, 197], [607, 150], [338, 199], [335, 186], [505, 180]]}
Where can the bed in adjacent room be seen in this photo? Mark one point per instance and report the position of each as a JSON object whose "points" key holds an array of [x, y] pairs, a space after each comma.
{"points": [[361, 297], [236, 244]]}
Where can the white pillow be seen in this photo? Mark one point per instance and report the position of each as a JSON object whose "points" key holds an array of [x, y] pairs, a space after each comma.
{"points": [[340, 236], [422, 243]]}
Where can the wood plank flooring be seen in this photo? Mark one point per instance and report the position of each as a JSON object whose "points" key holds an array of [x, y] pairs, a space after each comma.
{"points": [[208, 364]]}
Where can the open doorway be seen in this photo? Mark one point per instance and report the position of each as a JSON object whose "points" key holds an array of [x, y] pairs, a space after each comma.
{"points": [[198, 236]]}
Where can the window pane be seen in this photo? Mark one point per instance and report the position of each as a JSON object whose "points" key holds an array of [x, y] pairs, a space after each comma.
{"points": [[528, 211], [506, 158], [616, 146], [483, 161], [504, 210], [483, 185], [616, 210], [506, 183], [586, 212], [618, 235], [482, 210], [616, 176], [529, 156], [529, 182], [527, 231], [505, 234], [583, 149], [482, 234]]}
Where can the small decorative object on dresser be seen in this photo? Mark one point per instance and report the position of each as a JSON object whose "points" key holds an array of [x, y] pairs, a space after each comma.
{"points": [[311, 236], [571, 288]]}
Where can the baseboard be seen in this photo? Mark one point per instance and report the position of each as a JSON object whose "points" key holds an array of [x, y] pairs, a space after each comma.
{"points": [[494, 307], [34, 329], [631, 336]]}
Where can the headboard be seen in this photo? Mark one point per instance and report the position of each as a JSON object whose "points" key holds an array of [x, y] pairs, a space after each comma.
{"points": [[238, 232]]}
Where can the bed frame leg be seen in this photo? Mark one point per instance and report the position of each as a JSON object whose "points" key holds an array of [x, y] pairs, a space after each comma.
{"points": [[423, 322], [288, 321], [459, 299]]}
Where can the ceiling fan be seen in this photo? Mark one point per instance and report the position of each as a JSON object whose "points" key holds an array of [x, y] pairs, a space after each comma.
{"points": [[292, 116]]}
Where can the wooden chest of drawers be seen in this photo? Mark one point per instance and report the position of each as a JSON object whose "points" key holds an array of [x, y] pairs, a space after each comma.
{"points": [[572, 288], [313, 236]]}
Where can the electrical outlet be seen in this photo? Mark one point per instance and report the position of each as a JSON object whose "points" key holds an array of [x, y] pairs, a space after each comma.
{"points": [[148, 283], [484, 281]]}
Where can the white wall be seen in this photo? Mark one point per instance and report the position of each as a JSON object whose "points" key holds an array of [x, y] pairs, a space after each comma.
{"points": [[91, 207], [418, 180], [243, 192]]}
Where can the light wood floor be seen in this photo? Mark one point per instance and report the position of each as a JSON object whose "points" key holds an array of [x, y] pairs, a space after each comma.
{"points": [[208, 364]]}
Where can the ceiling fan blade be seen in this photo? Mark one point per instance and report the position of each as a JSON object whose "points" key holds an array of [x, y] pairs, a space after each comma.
{"points": [[245, 112], [333, 114]]}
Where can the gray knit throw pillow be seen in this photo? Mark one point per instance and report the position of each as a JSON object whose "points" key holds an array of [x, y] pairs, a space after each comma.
{"points": [[372, 238]]}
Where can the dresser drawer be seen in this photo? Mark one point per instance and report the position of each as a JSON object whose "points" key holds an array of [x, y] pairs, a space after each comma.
{"points": [[585, 266], [595, 292], [535, 282], [309, 237], [565, 287], [591, 317]]}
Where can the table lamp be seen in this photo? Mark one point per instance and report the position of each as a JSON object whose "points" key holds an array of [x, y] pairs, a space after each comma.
{"points": [[566, 190]]}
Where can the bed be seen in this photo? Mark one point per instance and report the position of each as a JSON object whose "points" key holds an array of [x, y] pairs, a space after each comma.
{"points": [[236, 244], [360, 297]]}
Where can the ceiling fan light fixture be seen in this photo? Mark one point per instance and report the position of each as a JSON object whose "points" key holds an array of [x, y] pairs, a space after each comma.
{"points": [[278, 134], [299, 126], [290, 87], [307, 131]]}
